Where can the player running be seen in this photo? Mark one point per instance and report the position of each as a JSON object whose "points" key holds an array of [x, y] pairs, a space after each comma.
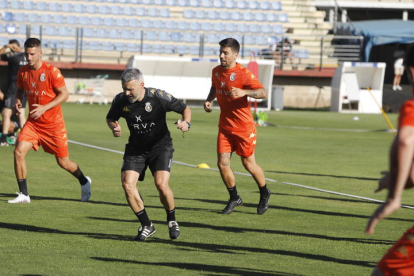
{"points": [[45, 88], [149, 145], [232, 84]]}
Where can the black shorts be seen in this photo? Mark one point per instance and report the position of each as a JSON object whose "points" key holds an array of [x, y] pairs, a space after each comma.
{"points": [[156, 160], [10, 97]]}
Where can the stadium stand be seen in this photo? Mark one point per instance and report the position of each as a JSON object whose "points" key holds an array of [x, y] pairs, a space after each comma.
{"points": [[174, 25]]}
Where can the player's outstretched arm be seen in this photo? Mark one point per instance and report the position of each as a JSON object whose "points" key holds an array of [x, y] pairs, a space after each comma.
{"points": [[115, 127], [404, 150], [260, 93], [211, 96], [185, 123]]}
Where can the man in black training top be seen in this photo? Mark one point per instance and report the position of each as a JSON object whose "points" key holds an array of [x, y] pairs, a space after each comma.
{"points": [[149, 145], [16, 59]]}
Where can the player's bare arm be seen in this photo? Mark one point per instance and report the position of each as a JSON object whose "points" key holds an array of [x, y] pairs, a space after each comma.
{"points": [[405, 149], [260, 93], [19, 97], [210, 98], [185, 124], [115, 127], [62, 96]]}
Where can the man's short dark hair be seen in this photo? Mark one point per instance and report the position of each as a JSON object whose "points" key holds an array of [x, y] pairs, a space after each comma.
{"points": [[32, 42], [14, 41], [232, 43]]}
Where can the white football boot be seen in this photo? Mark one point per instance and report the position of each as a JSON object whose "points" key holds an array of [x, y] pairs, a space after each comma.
{"points": [[21, 198], [86, 190]]}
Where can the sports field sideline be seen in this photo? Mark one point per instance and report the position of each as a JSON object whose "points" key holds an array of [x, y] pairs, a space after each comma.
{"points": [[304, 232]]}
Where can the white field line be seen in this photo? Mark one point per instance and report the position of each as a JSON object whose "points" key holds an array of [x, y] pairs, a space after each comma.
{"points": [[246, 174]]}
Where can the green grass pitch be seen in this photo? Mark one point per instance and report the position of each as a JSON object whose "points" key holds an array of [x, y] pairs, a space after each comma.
{"points": [[304, 232]]}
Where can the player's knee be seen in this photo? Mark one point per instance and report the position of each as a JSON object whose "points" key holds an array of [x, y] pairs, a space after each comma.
{"points": [[18, 153], [128, 186], [63, 164]]}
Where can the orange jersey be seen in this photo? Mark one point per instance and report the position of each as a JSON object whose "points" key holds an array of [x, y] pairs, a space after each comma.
{"points": [[39, 87], [235, 114], [406, 114]]}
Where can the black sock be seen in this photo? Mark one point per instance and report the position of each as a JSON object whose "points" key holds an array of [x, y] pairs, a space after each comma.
{"points": [[233, 193], [171, 215], [82, 179], [264, 191], [143, 217], [23, 186], [3, 138]]}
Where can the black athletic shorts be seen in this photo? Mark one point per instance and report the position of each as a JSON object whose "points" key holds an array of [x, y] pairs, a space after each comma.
{"points": [[10, 97], [156, 160]]}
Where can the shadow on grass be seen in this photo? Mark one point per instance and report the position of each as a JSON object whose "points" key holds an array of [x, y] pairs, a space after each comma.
{"points": [[250, 230], [202, 268], [326, 175], [328, 198], [208, 247]]}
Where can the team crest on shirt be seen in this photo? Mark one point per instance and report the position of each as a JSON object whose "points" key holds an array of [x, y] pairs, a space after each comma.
{"points": [[126, 109], [148, 107], [233, 76], [43, 77]]}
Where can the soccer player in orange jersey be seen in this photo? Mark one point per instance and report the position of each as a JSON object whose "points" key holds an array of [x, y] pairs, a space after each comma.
{"points": [[231, 85], [399, 260], [45, 88]]}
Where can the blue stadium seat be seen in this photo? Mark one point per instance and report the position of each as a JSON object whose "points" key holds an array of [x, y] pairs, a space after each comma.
{"points": [[133, 47], [35, 30], [22, 29], [7, 16], [253, 5], [265, 28], [218, 4], [200, 14], [84, 20], [283, 17], [213, 15], [248, 16], [54, 44], [236, 16], [153, 12], [3, 5], [276, 6], [229, 4], [114, 33], [140, 11], [119, 46], [27, 5], [259, 16], [164, 36], [195, 26], [241, 27], [146, 48], [103, 9], [169, 49], [164, 12], [58, 18], [170, 25], [96, 21], [158, 24], [126, 34], [87, 32], [19, 17], [135, 1], [94, 46], [127, 10], [157, 49], [194, 50], [261, 40], [66, 31], [278, 29], [90, 8], [206, 26], [188, 37], [45, 18], [249, 39], [68, 44], [241, 4], [188, 14], [100, 32], [138, 34], [176, 36], [159, 2], [133, 22], [107, 46], [264, 5], [182, 3], [300, 53], [146, 2], [78, 8], [230, 27], [15, 5], [71, 19], [182, 50], [121, 22], [66, 7], [272, 17], [170, 3], [108, 21], [151, 35], [33, 17], [209, 51], [224, 15], [53, 6], [145, 23], [193, 3], [272, 40], [211, 38], [182, 25], [206, 3], [254, 28], [41, 6], [218, 26], [116, 10]]}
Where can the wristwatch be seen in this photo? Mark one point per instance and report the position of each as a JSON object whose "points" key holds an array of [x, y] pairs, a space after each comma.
{"points": [[188, 124]]}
